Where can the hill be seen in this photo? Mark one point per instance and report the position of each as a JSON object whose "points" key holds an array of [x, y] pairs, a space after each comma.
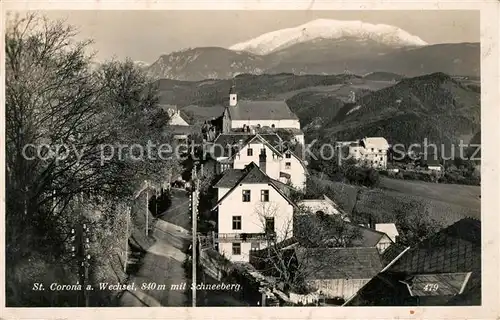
{"points": [[215, 92], [445, 203], [321, 56], [433, 107]]}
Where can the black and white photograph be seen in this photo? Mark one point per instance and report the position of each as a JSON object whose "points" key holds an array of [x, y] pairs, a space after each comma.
{"points": [[246, 158]]}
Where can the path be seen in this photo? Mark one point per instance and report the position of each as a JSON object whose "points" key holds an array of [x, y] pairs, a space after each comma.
{"points": [[163, 262]]}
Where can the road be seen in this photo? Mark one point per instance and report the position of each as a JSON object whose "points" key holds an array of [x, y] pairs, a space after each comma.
{"points": [[162, 265]]}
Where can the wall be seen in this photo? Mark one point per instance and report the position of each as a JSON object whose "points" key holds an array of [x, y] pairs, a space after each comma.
{"points": [[297, 171], [384, 243], [226, 122], [222, 192], [333, 288], [274, 165], [212, 264], [272, 162], [361, 154], [252, 214], [291, 123]]}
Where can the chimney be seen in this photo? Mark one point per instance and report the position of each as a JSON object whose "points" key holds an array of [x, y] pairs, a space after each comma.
{"points": [[262, 162], [233, 97]]}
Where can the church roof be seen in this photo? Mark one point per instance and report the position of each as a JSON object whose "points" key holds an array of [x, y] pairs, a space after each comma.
{"points": [[261, 110]]}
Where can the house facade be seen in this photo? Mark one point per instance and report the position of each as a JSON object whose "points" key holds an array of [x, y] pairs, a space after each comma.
{"points": [[370, 152], [237, 150], [249, 116], [252, 211]]}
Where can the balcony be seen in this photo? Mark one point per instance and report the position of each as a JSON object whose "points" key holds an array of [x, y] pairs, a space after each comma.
{"points": [[243, 237]]}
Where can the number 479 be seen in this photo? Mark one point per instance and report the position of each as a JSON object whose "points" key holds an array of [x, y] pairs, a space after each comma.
{"points": [[432, 287]]}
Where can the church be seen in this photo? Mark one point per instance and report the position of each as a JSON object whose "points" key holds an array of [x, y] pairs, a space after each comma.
{"points": [[260, 116]]}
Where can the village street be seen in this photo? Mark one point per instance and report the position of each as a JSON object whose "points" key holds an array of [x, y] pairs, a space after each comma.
{"points": [[162, 266]]}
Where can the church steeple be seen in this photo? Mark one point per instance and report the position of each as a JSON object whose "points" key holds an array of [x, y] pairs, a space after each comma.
{"points": [[233, 97]]}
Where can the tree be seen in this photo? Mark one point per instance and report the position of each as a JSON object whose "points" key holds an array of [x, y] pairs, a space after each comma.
{"points": [[61, 114], [291, 254], [414, 222]]}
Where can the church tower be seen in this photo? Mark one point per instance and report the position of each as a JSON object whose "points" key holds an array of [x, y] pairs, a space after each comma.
{"points": [[233, 97]]}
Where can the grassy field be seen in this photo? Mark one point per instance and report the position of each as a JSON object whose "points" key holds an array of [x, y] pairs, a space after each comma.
{"points": [[444, 203], [462, 195]]}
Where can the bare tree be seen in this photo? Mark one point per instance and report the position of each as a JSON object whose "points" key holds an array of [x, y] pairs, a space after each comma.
{"points": [[64, 118], [286, 255]]}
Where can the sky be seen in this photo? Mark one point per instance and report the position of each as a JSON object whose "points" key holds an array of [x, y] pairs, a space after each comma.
{"points": [[145, 35]]}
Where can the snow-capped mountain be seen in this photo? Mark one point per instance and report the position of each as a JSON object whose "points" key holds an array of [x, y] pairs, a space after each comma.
{"points": [[322, 47], [328, 29]]}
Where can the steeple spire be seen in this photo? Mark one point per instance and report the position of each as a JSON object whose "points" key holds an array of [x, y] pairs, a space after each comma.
{"points": [[233, 97]]}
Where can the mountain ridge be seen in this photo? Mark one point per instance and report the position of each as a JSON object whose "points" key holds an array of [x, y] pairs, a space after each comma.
{"points": [[320, 57]]}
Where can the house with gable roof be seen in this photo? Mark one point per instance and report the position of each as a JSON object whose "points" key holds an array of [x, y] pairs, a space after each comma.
{"points": [[370, 151], [251, 209], [268, 151]]}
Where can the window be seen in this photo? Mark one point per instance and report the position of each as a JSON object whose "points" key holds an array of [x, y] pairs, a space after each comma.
{"points": [[270, 225], [264, 195], [246, 195], [273, 126], [263, 151], [373, 149], [236, 248], [249, 152], [381, 159], [236, 222], [380, 150], [288, 155], [288, 165], [254, 246]]}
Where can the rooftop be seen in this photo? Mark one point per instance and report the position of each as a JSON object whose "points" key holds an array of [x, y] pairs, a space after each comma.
{"points": [[250, 175], [339, 263], [376, 142], [445, 258], [261, 110]]}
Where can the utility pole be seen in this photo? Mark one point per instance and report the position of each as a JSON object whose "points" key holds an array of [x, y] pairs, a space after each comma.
{"points": [[81, 241], [125, 259], [194, 218], [147, 208]]}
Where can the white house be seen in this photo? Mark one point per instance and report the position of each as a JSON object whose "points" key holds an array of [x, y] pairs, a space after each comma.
{"points": [[389, 229], [251, 210], [367, 151], [248, 115], [237, 150], [177, 125], [174, 114]]}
